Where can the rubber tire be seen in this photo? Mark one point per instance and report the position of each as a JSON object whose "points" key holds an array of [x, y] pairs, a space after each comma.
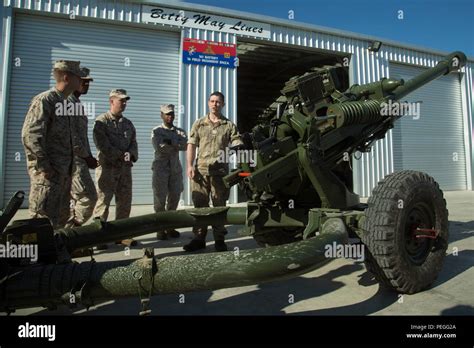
{"points": [[384, 231]]}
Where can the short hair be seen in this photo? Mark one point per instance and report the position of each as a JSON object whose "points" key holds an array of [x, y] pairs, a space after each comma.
{"points": [[58, 74], [218, 94]]}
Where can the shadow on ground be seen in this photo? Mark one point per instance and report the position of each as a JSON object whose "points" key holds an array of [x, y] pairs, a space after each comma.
{"points": [[272, 298], [459, 230]]}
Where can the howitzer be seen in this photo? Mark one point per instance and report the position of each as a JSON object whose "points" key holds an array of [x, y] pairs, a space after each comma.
{"points": [[300, 202]]}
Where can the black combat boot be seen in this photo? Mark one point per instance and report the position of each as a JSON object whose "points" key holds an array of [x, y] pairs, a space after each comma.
{"points": [[195, 244], [172, 233], [220, 245]]}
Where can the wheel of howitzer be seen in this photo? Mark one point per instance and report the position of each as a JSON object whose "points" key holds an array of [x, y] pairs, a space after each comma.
{"points": [[406, 231]]}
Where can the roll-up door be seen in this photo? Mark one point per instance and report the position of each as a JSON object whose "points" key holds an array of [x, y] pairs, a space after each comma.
{"points": [[433, 141]]}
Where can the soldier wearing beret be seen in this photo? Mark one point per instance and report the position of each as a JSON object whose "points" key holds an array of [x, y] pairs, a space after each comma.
{"points": [[47, 140], [115, 139], [167, 182]]}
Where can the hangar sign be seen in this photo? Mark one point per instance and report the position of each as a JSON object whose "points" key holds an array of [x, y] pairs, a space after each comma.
{"points": [[199, 20]]}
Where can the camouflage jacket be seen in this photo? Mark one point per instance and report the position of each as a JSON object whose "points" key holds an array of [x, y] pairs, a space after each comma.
{"points": [[167, 143], [113, 137], [46, 135], [211, 140], [80, 140]]}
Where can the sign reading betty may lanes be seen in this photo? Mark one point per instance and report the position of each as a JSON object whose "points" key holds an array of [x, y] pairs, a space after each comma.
{"points": [[162, 15]]}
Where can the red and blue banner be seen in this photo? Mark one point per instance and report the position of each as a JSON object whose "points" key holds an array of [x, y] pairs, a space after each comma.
{"points": [[212, 53]]}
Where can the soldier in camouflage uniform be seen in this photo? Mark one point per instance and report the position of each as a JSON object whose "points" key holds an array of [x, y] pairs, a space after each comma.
{"points": [[115, 139], [46, 137], [211, 134], [167, 180], [83, 192]]}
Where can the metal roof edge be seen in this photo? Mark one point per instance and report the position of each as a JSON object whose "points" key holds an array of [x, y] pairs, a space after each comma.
{"points": [[278, 21], [289, 23]]}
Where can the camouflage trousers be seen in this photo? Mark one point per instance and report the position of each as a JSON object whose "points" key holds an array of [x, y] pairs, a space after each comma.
{"points": [[167, 188], [202, 186], [47, 198], [83, 193], [113, 181]]}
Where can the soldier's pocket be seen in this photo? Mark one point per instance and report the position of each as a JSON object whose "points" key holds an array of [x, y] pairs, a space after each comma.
{"points": [[42, 199], [41, 179]]}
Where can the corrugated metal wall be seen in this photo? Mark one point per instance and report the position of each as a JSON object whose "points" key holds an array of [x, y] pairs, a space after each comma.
{"points": [[365, 67], [433, 140], [100, 9], [3, 27], [428, 60], [467, 94], [6, 22]]}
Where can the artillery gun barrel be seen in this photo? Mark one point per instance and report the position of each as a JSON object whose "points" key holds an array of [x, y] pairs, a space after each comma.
{"points": [[384, 85], [369, 111], [452, 62], [106, 232], [89, 282]]}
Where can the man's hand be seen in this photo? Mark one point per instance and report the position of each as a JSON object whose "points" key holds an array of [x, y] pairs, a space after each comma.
{"points": [[48, 175], [190, 173], [190, 160], [91, 162]]}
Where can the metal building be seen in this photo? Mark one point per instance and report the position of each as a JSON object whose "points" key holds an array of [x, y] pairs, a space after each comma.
{"points": [[138, 45]]}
